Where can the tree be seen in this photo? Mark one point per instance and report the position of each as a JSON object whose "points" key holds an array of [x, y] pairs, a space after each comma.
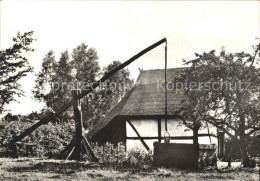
{"points": [[14, 66], [118, 84], [110, 93], [51, 82], [9, 117], [54, 83], [43, 90], [223, 90], [62, 78], [86, 68]]}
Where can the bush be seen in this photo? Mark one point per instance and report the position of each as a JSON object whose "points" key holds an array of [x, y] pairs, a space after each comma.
{"points": [[139, 158], [52, 138], [110, 154], [49, 139]]}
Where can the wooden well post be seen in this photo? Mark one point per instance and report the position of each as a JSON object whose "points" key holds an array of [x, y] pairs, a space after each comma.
{"points": [[79, 145], [78, 125]]}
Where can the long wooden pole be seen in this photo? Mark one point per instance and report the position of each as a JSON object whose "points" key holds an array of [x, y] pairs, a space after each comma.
{"points": [[78, 124], [85, 92]]}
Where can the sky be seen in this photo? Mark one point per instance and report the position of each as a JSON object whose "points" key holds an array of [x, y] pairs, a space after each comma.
{"points": [[120, 29]]}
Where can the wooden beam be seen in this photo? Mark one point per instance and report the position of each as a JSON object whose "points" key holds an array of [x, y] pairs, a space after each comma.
{"points": [[78, 125], [85, 92], [172, 137], [156, 138], [159, 130], [89, 148], [68, 148], [202, 135], [141, 117], [139, 137], [79, 144]]}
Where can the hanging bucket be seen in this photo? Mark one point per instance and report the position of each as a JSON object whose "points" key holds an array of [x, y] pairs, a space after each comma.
{"points": [[167, 137]]}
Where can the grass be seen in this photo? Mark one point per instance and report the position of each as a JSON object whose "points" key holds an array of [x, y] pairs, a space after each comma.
{"points": [[46, 169]]}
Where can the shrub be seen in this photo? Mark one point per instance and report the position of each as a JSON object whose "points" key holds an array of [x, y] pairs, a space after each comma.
{"points": [[52, 138], [139, 158], [49, 139], [110, 154]]}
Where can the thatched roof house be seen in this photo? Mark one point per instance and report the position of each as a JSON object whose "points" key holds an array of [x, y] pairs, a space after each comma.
{"points": [[140, 114]]}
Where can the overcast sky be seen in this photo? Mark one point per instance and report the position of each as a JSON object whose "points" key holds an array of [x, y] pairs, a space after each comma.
{"points": [[119, 30]]}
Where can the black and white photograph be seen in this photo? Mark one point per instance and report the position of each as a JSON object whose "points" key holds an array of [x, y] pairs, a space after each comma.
{"points": [[130, 90]]}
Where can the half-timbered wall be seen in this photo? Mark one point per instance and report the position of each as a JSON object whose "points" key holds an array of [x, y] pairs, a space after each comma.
{"points": [[153, 130]]}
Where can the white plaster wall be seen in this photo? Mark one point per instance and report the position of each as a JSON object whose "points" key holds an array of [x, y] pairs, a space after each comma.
{"points": [[149, 128], [174, 128], [206, 140], [133, 144]]}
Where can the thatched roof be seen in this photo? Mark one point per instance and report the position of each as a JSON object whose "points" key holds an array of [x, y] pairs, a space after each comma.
{"points": [[146, 98]]}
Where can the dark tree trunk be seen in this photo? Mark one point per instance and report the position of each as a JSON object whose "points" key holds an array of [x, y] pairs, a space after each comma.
{"points": [[196, 147], [234, 144], [230, 153], [221, 140], [242, 140], [243, 151]]}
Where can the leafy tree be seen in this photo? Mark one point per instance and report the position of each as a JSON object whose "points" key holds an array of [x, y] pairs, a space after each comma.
{"points": [[86, 68], [44, 87], [9, 117], [64, 68], [33, 116], [118, 84], [110, 93], [223, 90], [51, 82], [85, 62], [62, 78], [14, 66]]}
